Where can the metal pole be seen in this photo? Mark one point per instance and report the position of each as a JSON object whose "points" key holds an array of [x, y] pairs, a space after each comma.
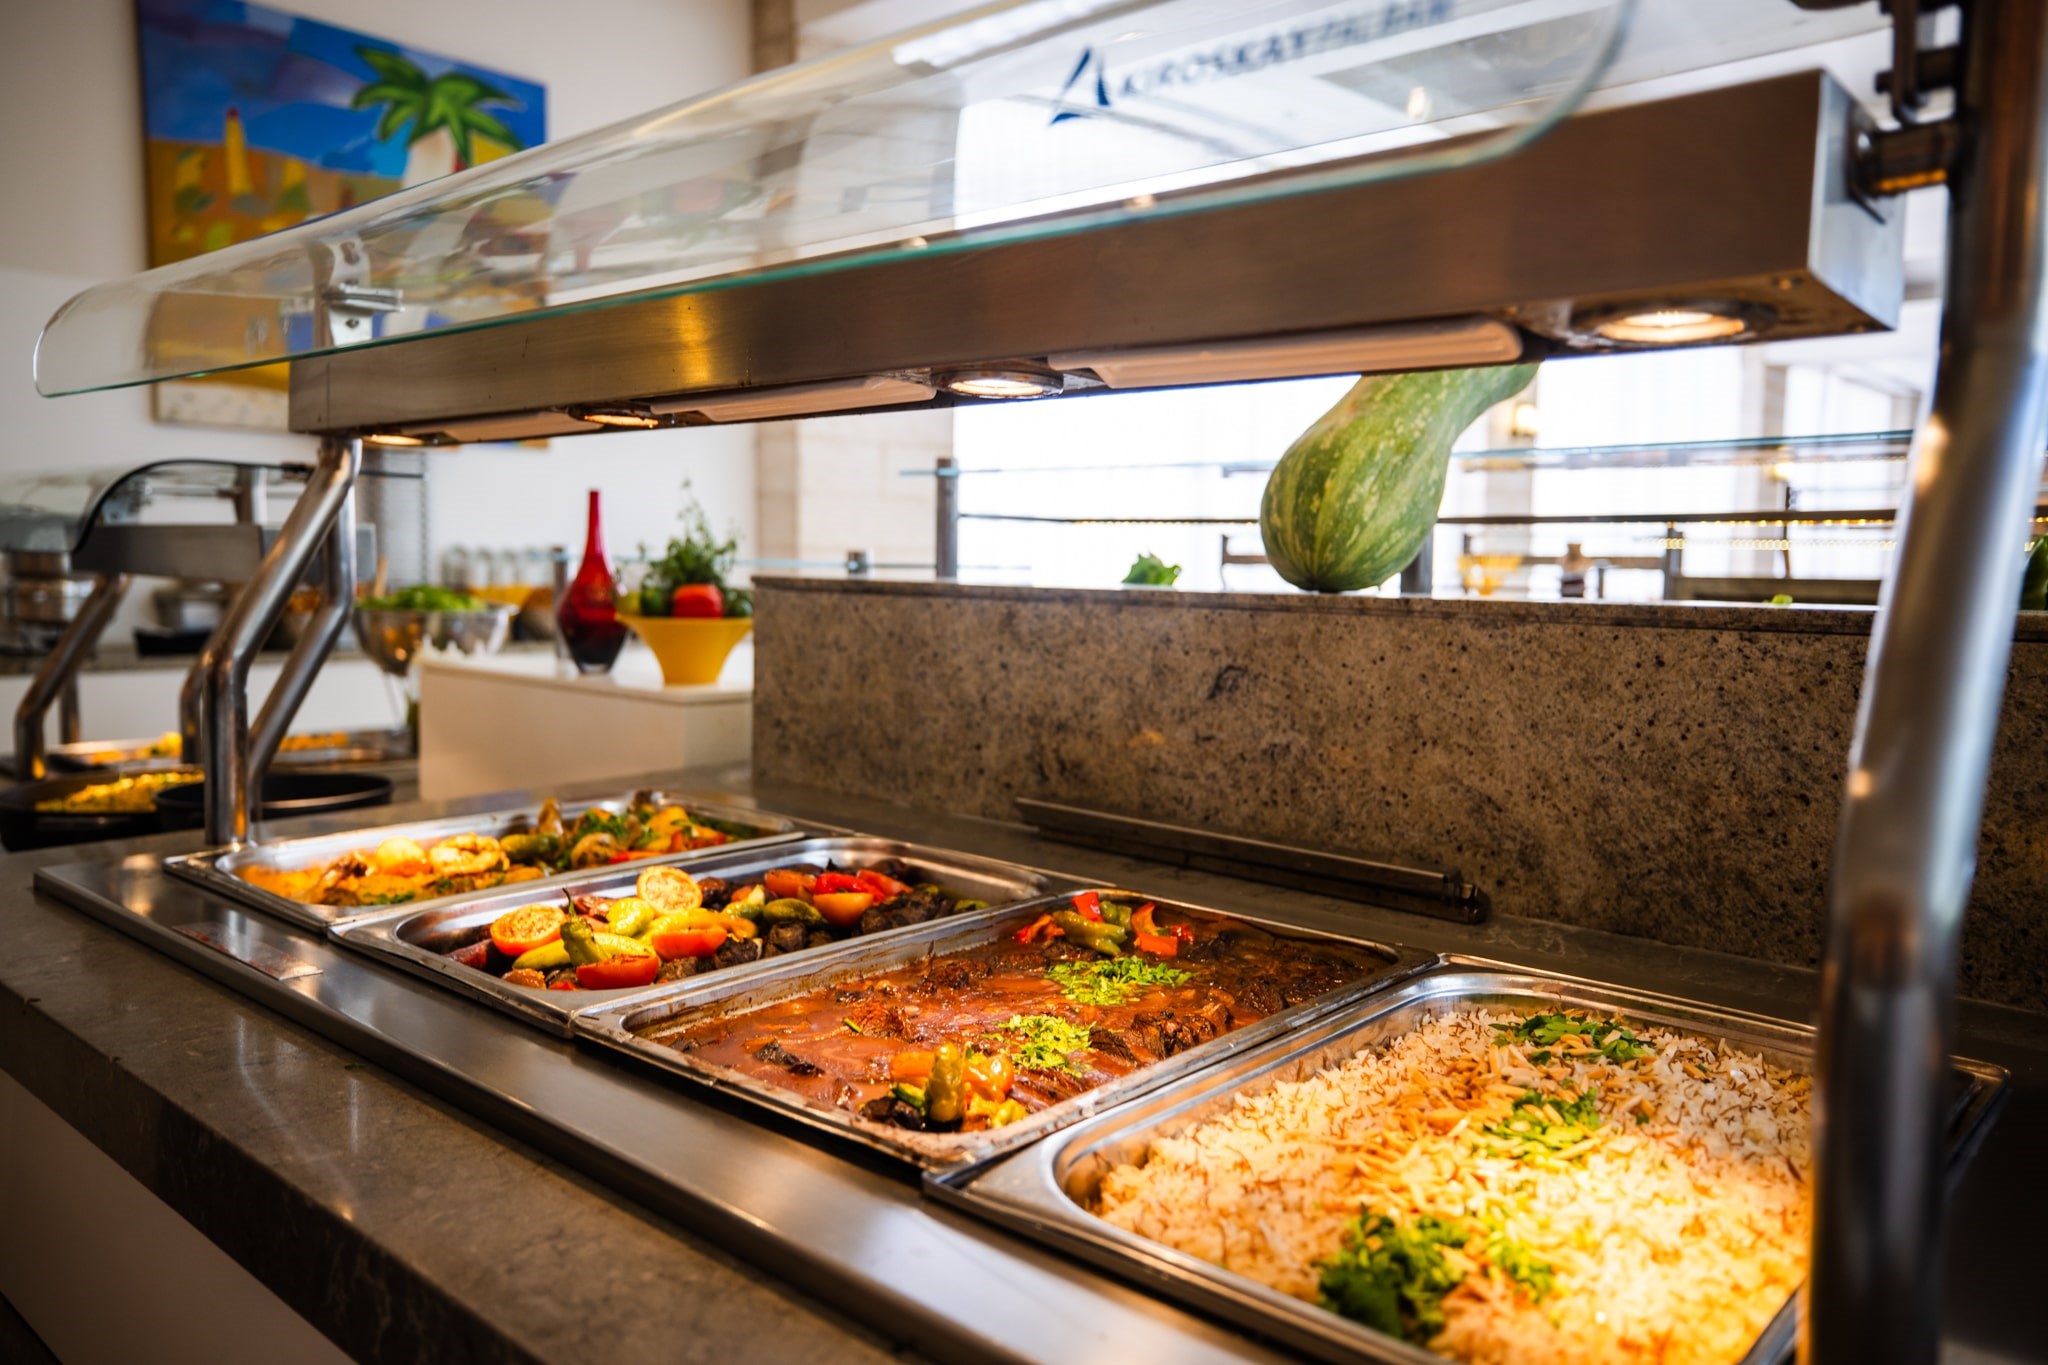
{"points": [[946, 559], [59, 672], [1418, 578], [1917, 770], [316, 641], [70, 726], [249, 619]]}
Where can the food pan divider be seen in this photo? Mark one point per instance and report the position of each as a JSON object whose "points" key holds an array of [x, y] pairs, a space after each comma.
{"points": [[683, 1004], [419, 937], [1043, 1192], [217, 869]]}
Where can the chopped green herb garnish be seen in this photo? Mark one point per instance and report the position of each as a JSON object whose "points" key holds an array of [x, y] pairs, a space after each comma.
{"points": [[1040, 1042], [1114, 981], [1540, 1126], [1608, 1038], [1393, 1278], [1536, 1276], [851, 1027]]}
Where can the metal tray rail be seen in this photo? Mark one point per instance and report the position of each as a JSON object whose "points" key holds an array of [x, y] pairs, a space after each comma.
{"points": [[1044, 1192], [218, 868], [680, 1005], [419, 937], [355, 747]]}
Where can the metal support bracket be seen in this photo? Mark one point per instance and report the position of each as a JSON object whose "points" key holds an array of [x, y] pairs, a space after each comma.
{"points": [[224, 690], [57, 679], [346, 303]]}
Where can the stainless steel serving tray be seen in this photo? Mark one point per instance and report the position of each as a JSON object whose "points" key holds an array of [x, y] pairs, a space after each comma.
{"points": [[1044, 1192], [218, 869], [355, 747], [692, 1001], [419, 937]]}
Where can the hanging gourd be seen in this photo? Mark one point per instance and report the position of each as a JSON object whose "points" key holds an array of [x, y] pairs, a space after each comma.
{"points": [[1356, 495]]}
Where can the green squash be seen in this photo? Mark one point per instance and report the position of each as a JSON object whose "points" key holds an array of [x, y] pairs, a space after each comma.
{"points": [[1357, 494]]}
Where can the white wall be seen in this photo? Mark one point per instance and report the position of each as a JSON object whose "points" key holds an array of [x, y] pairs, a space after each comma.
{"points": [[74, 216]]}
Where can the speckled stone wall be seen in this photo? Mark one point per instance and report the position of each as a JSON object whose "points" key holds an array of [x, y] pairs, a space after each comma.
{"points": [[1666, 771]]}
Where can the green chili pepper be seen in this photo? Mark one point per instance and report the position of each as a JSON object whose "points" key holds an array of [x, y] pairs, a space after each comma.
{"points": [[1096, 935], [945, 1090]]}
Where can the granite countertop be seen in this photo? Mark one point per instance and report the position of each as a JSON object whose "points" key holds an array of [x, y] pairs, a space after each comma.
{"points": [[2032, 625], [400, 1226]]}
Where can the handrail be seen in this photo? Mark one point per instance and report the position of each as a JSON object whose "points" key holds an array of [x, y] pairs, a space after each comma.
{"points": [[1922, 752]]}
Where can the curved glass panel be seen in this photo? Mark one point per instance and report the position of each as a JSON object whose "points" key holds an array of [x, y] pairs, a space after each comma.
{"points": [[1018, 119]]}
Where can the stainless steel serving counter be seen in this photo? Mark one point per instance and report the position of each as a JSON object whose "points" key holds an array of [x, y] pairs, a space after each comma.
{"points": [[455, 1219]]}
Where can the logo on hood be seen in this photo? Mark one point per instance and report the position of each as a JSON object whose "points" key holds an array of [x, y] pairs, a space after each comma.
{"points": [[1091, 87]]}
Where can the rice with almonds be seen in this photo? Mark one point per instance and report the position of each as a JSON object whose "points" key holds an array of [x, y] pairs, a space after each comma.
{"points": [[1674, 1239]]}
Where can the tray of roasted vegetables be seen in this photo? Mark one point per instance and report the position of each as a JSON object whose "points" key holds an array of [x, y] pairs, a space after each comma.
{"points": [[953, 1041], [331, 879], [545, 954]]}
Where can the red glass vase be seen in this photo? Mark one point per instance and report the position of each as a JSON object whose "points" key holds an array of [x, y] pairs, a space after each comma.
{"points": [[588, 615]]}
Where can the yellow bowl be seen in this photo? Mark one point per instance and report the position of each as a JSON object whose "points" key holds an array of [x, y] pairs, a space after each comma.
{"points": [[690, 649]]}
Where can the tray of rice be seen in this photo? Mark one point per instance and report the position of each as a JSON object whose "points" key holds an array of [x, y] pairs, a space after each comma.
{"points": [[1483, 1164]]}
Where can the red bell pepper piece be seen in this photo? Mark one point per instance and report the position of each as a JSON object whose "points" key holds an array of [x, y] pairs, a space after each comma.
{"points": [[1088, 905], [1029, 933], [885, 888]]}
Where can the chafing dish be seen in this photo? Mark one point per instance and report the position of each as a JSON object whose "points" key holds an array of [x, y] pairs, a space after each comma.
{"points": [[625, 1024], [1046, 1192], [420, 939], [220, 868]]}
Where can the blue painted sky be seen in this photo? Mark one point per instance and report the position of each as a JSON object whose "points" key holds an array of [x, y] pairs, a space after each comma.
{"points": [[292, 80]]}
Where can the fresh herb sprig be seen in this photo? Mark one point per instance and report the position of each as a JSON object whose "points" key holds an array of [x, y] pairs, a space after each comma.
{"points": [[1114, 981], [1540, 1126], [1039, 1042], [1393, 1276], [1547, 1031]]}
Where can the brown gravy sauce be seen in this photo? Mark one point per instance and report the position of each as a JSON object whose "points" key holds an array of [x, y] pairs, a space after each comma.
{"points": [[1237, 975]]}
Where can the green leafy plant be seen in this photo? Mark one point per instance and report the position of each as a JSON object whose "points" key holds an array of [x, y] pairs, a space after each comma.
{"points": [[1149, 570], [697, 556]]}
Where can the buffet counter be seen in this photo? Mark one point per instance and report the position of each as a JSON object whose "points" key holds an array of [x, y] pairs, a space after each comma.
{"points": [[349, 1179]]}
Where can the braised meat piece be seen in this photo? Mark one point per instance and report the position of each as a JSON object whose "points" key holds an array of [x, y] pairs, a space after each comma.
{"points": [[950, 974], [1166, 1032], [737, 952], [788, 938], [1112, 1042], [1039, 1088], [678, 968], [716, 891], [892, 1111], [819, 938], [874, 1019], [874, 920], [1258, 996], [775, 1054]]}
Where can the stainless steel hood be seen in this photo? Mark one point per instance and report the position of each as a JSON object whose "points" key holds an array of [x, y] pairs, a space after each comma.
{"points": [[1057, 196], [1734, 201]]}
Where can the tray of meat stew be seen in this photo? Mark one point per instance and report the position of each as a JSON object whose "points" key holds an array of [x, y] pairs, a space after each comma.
{"points": [[954, 1041], [544, 954]]}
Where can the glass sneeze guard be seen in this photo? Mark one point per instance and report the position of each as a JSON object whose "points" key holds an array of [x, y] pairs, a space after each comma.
{"points": [[1017, 119]]}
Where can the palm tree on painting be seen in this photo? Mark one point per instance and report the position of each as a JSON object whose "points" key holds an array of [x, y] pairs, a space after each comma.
{"points": [[445, 113]]}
